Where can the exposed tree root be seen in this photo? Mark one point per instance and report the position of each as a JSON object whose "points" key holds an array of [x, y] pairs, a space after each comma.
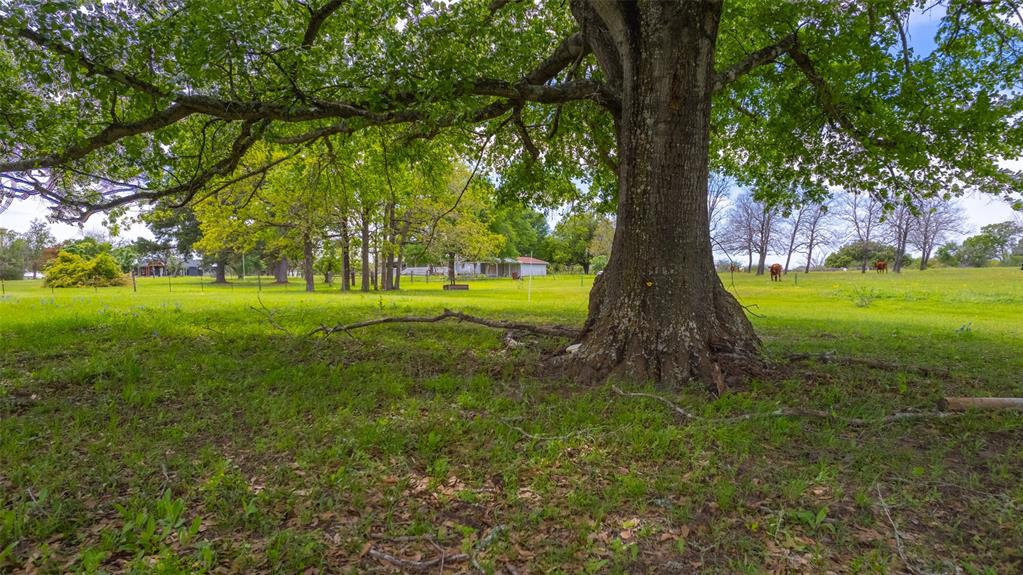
{"points": [[549, 330], [789, 412], [830, 357]]}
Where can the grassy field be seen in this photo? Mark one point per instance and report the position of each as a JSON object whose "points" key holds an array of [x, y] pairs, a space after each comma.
{"points": [[189, 428]]}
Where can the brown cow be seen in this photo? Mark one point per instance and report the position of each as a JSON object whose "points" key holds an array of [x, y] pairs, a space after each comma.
{"points": [[776, 272], [881, 266]]}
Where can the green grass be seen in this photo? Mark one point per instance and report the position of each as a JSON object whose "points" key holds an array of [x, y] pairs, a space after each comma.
{"points": [[176, 429]]}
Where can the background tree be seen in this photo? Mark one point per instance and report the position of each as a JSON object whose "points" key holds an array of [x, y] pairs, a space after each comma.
{"points": [[853, 253], [764, 223], [896, 228], [573, 235], [13, 252], [790, 232], [1002, 239], [937, 219], [37, 239], [817, 231], [861, 214], [740, 228], [524, 229], [719, 189]]}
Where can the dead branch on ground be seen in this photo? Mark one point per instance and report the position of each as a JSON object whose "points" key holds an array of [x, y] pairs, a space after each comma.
{"points": [[418, 565], [548, 330]]}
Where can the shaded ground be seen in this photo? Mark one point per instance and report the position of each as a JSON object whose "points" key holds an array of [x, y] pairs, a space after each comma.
{"points": [[183, 432]]}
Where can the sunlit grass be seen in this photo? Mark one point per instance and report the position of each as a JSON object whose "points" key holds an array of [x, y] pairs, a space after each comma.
{"points": [[178, 429]]}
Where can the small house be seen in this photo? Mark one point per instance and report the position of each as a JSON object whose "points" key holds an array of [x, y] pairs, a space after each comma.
{"points": [[151, 268], [520, 267], [192, 268]]}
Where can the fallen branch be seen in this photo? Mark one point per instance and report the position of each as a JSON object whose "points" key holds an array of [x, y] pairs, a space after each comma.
{"points": [[549, 330], [964, 403], [830, 357], [418, 565], [788, 412]]}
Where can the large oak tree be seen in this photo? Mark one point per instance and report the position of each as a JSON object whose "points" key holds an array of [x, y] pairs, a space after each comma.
{"points": [[105, 104]]}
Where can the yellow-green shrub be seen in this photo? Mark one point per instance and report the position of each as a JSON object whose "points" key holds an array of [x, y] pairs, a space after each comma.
{"points": [[73, 270]]}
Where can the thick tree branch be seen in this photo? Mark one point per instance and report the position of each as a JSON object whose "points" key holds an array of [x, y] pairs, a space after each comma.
{"points": [[832, 110], [759, 58], [109, 135], [247, 136], [401, 108], [91, 65], [571, 49], [316, 21]]}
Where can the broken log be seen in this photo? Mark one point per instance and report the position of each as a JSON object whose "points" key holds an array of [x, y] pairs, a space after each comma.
{"points": [[965, 403]]}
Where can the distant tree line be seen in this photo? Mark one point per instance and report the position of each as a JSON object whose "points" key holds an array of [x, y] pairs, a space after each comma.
{"points": [[856, 229]]}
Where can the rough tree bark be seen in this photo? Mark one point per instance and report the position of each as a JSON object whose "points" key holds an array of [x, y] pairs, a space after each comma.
{"points": [[659, 311]]}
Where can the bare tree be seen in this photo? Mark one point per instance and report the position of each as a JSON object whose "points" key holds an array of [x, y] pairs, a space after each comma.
{"points": [[790, 233], [765, 219], [937, 220], [817, 231], [718, 188], [895, 229], [861, 212], [739, 229]]}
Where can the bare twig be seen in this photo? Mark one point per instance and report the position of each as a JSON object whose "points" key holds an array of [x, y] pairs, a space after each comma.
{"points": [[830, 357], [549, 330], [895, 528], [671, 405], [269, 315], [418, 565], [789, 412], [545, 437]]}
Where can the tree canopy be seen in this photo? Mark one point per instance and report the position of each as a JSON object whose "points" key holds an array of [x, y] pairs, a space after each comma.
{"points": [[165, 98]]}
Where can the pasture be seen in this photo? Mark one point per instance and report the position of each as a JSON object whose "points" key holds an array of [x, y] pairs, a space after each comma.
{"points": [[190, 428]]}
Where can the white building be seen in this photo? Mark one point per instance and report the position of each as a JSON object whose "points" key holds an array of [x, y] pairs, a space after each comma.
{"points": [[519, 267]]}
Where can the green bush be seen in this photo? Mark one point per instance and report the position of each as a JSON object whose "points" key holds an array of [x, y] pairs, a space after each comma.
{"points": [[73, 270]]}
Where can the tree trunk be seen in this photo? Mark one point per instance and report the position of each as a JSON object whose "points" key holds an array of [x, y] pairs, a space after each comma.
{"points": [[809, 255], [281, 271], [451, 268], [749, 264], [397, 267], [346, 258], [307, 263], [761, 261], [365, 250], [221, 269], [660, 312]]}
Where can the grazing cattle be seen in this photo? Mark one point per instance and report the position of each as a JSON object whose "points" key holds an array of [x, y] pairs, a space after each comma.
{"points": [[776, 272], [881, 266]]}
